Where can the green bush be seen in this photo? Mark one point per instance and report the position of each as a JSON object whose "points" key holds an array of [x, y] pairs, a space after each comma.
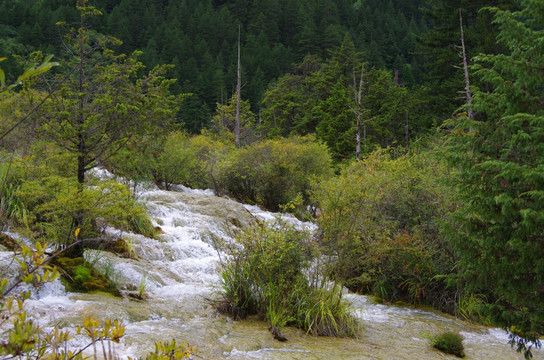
{"points": [[274, 172], [54, 202], [179, 163], [450, 343], [381, 221], [267, 276]]}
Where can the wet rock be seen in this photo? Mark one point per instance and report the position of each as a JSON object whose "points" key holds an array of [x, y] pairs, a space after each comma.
{"points": [[277, 333]]}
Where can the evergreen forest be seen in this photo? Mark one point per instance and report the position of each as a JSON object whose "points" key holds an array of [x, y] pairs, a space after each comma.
{"points": [[410, 131]]}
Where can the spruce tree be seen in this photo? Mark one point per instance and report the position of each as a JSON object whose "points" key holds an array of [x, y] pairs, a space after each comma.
{"points": [[500, 154]]}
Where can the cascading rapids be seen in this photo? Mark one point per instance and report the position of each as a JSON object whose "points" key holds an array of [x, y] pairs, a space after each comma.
{"points": [[181, 268]]}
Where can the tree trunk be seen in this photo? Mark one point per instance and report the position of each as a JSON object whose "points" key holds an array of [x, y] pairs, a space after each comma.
{"points": [[406, 130], [238, 91], [465, 68], [358, 92]]}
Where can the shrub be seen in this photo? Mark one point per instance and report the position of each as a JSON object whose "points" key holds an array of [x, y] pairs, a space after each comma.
{"points": [[179, 164], [450, 343], [274, 172], [267, 275], [55, 201], [381, 222]]}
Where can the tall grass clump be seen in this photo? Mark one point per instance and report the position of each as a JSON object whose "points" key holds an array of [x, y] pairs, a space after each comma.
{"points": [[267, 276]]}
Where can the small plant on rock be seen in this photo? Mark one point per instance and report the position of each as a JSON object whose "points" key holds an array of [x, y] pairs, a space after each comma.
{"points": [[450, 343]]}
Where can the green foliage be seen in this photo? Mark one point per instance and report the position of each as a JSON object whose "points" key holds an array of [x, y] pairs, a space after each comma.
{"points": [[470, 307], [142, 286], [106, 101], [224, 120], [32, 71], [266, 275], [450, 343], [170, 350], [179, 163], [439, 46], [82, 274], [381, 219], [326, 314], [322, 97], [274, 172], [497, 232], [54, 201]]}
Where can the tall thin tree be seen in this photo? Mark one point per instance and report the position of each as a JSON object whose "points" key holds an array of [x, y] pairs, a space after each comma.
{"points": [[358, 93], [470, 112], [238, 94]]}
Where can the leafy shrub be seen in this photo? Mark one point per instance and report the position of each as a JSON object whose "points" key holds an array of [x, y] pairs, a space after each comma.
{"points": [[179, 164], [450, 343], [381, 221], [274, 172], [266, 276], [55, 201]]}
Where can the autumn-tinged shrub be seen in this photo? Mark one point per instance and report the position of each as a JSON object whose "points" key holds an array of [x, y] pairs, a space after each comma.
{"points": [[381, 221]]}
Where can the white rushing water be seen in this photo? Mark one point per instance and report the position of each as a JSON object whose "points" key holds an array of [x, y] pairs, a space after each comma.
{"points": [[181, 268]]}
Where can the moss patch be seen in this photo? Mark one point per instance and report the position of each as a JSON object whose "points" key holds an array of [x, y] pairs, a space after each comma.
{"points": [[77, 276], [120, 247], [9, 242]]}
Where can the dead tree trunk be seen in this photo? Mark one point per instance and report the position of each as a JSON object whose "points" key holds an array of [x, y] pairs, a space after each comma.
{"points": [[238, 91], [465, 68], [358, 92]]}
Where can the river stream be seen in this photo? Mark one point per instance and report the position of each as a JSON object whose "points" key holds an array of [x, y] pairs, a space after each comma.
{"points": [[180, 270]]}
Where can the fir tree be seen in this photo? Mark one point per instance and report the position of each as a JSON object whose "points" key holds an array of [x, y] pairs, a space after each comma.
{"points": [[501, 159]]}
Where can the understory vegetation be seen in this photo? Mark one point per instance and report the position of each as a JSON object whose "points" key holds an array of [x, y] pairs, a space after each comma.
{"points": [[269, 273], [380, 221]]}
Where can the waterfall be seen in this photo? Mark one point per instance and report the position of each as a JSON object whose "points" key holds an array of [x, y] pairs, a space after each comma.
{"points": [[181, 268]]}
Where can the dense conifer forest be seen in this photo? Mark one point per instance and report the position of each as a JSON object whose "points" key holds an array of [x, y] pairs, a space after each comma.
{"points": [[415, 39], [410, 132]]}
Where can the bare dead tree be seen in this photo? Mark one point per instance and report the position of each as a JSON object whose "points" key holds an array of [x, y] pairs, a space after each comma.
{"points": [[465, 68], [358, 111], [238, 94]]}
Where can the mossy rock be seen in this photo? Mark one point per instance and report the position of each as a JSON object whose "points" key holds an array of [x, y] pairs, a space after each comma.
{"points": [[9, 243], [78, 277], [119, 247], [449, 343]]}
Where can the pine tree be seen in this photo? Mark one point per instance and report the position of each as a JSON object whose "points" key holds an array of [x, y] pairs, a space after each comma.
{"points": [[500, 155]]}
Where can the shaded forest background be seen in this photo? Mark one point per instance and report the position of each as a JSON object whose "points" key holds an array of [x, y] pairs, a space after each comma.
{"points": [[418, 39]]}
